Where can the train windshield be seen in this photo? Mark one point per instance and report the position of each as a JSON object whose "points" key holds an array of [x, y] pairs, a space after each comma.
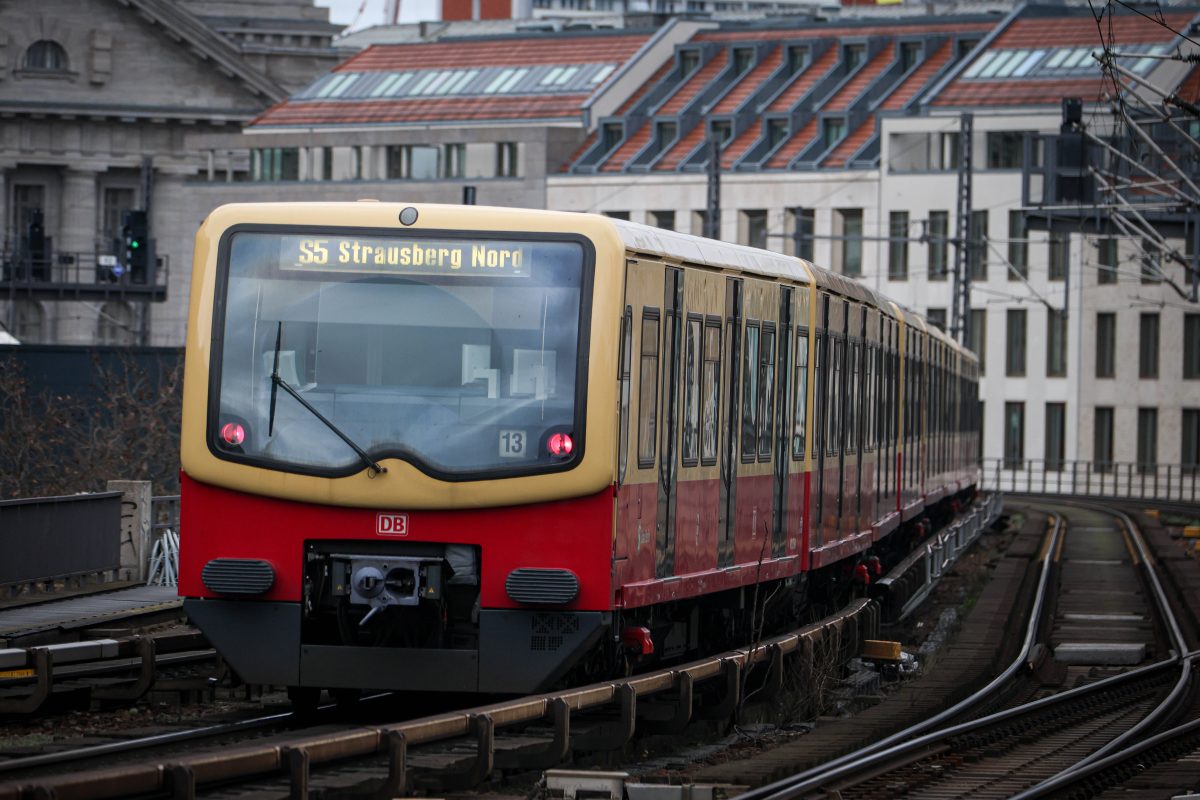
{"points": [[457, 354]]}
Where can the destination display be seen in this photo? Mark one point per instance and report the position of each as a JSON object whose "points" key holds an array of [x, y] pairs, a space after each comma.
{"points": [[497, 258]]}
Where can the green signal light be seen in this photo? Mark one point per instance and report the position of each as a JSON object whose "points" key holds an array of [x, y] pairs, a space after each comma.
{"points": [[134, 244]]}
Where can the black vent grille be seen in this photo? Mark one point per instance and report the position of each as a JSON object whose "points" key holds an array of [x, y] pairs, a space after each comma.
{"points": [[542, 587], [238, 576]]}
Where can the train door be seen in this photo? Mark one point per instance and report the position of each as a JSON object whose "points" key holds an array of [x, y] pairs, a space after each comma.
{"points": [[668, 464], [799, 497], [783, 406], [821, 410], [839, 406], [755, 486], [638, 499], [727, 510]]}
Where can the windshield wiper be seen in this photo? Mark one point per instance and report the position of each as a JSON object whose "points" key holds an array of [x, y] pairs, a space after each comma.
{"points": [[278, 382]]}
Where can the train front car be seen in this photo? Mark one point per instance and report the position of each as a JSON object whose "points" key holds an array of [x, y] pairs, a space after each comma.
{"points": [[397, 444]]}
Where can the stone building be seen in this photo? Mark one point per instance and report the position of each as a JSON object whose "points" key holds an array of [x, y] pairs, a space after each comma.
{"points": [[96, 100]]}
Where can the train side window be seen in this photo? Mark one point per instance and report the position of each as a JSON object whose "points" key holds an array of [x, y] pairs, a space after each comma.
{"points": [[648, 389], [766, 396], [854, 398], [801, 416], [710, 392], [626, 362], [691, 392], [750, 393]]}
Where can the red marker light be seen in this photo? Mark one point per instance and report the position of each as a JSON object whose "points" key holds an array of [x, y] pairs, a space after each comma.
{"points": [[233, 433], [560, 444]]}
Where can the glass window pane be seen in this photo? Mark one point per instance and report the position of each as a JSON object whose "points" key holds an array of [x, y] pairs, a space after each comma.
{"points": [[648, 391], [750, 391]]}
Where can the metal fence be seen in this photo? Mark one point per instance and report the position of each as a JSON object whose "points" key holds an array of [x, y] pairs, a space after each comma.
{"points": [[48, 539], [162, 568], [1178, 483]]}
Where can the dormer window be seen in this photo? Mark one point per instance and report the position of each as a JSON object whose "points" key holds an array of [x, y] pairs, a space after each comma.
{"points": [[797, 58], [688, 60], [910, 54], [743, 58], [46, 56], [853, 55]]}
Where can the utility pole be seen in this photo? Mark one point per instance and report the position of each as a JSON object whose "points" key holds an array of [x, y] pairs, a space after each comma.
{"points": [[712, 215], [960, 309]]}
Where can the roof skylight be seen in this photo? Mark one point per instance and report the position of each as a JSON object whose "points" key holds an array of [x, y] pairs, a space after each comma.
{"points": [[1059, 62]]}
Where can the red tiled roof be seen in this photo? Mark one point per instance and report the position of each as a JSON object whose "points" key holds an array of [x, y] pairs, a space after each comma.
{"points": [[749, 83], [496, 53], [804, 81], [849, 146], [1078, 31], [919, 78], [1189, 89], [740, 146], [854, 87], [424, 110], [1019, 92], [645, 87], [682, 149], [825, 31], [793, 147], [695, 84], [628, 150]]}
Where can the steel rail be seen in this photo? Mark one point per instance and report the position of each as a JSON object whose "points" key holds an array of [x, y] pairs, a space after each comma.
{"points": [[878, 753], [363, 741], [895, 744]]}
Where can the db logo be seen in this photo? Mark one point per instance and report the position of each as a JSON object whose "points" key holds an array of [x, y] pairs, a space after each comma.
{"points": [[391, 524]]}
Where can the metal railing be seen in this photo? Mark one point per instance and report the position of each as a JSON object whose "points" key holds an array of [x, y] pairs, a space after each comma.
{"points": [[1111, 480], [69, 272]]}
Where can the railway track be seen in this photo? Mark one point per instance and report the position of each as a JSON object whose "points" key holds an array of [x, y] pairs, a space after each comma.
{"points": [[1109, 616]]}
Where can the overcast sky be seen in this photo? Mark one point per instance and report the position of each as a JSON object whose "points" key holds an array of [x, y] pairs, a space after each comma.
{"points": [[345, 12]]}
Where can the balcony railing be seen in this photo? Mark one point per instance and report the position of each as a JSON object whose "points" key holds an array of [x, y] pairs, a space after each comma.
{"points": [[1178, 483], [80, 276]]}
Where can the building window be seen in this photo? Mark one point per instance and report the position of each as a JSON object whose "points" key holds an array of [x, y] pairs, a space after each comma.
{"points": [[936, 317], [978, 235], [1151, 262], [507, 165], [743, 59], [326, 163], [1191, 346], [797, 58], [1060, 256], [1018, 245], [1056, 344], [1106, 344], [910, 54], [939, 230], [977, 336], [665, 133], [412, 162], [455, 156], [617, 215], [777, 131], [1148, 345], [29, 321], [611, 135], [847, 251], [835, 131], [46, 56], [1106, 255], [663, 219], [803, 224], [1056, 436], [1014, 353], [1147, 439], [1005, 149], [276, 164], [1102, 439], [1190, 452], [1014, 435], [754, 229], [115, 324], [898, 246], [853, 55]]}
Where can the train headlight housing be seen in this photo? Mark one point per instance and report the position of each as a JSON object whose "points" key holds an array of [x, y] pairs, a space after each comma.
{"points": [[560, 444]]}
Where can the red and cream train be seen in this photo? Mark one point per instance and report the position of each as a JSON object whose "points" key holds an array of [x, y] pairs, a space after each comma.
{"points": [[465, 448]]}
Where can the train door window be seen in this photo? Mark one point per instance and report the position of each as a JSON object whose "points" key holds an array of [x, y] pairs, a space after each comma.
{"points": [[766, 394], [869, 400], [854, 423], [750, 390], [837, 395], [691, 391], [820, 382], [800, 419], [710, 391], [626, 361], [648, 389]]}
